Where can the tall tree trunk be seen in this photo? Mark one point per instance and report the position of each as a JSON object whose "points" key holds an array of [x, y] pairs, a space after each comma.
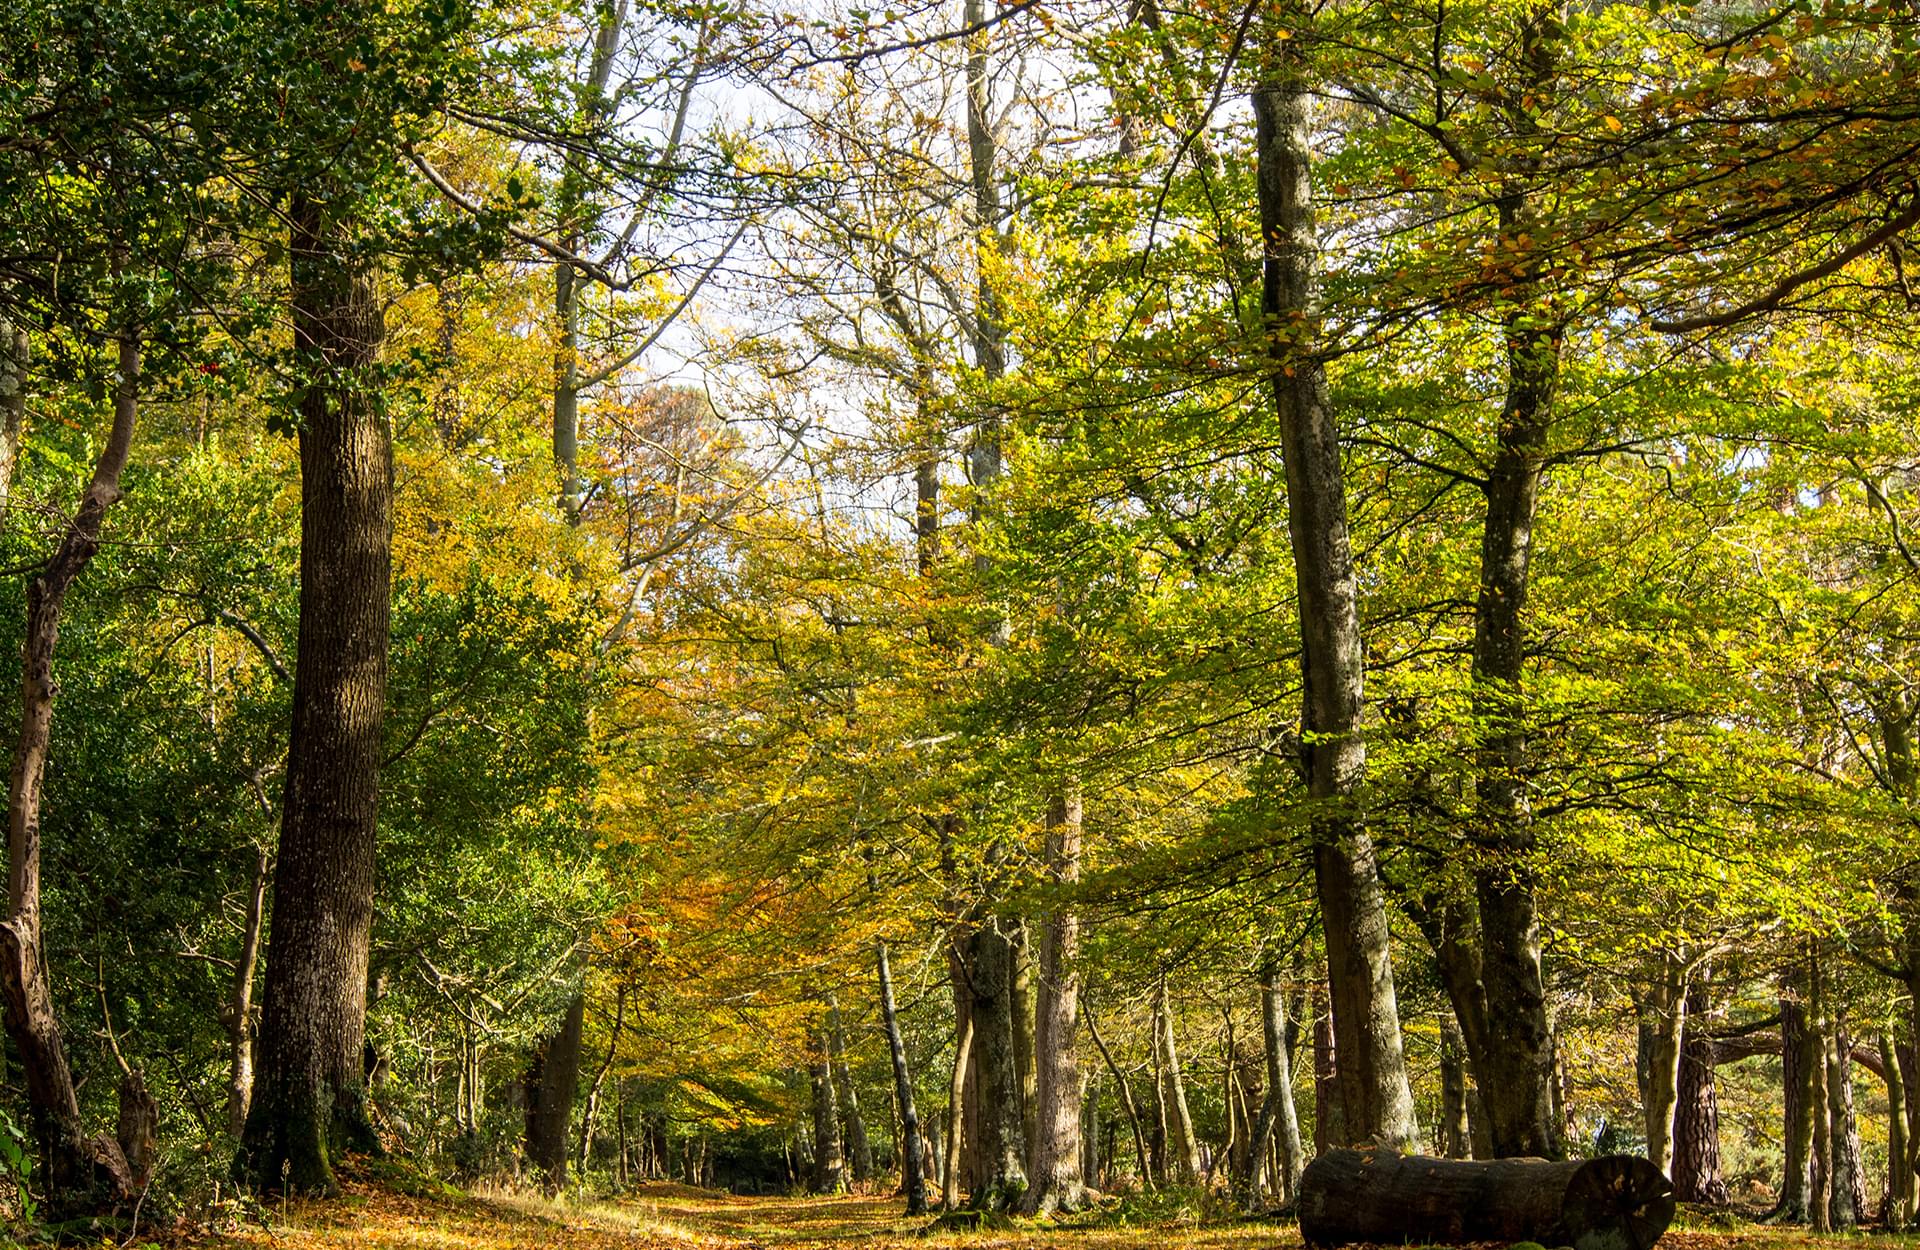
{"points": [[1183, 1144], [1002, 1144], [1799, 1058], [1278, 1123], [1025, 1026], [829, 1156], [239, 1011], [553, 1077], [1663, 1011], [913, 1170], [859, 1152], [1455, 1132], [1328, 1113], [309, 1097], [1377, 1101], [1055, 1181], [1820, 1199], [1696, 1129], [82, 1173], [1849, 1177], [1899, 1209], [956, 1116]]}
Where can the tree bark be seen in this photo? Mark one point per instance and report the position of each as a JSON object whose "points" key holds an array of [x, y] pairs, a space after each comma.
{"points": [[859, 1152], [1798, 1064], [82, 1173], [1328, 1131], [829, 1156], [1278, 1123], [1849, 1177], [1663, 1011], [913, 1172], [956, 1116], [1183, 1144], [309, 1098], [1696, 1129], [1899, 1208], [1376, 1098], [553, 1078], [1055, 1180], [1456, 1140], [1618, 1202], [1002, 1143]]}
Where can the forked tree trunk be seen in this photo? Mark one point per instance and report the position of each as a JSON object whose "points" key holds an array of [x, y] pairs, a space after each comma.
{"points": [[913, 1149], [1055, 1181], [1376, 1099], [82, 1173], [309, 1100]]}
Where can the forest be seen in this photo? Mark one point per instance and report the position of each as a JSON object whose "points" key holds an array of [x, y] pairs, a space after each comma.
{"points": [[1001, 615]]}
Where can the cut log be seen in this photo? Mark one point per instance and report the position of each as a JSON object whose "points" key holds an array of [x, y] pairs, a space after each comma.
{"points": [[1619, 1202]]}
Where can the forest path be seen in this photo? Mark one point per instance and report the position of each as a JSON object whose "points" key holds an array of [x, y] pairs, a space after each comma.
{"points": [[660, 1216]]}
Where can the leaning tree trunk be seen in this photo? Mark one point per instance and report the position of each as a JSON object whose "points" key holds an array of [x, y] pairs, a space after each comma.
{"points": [[82, 1173], [592, 1110], [553, 1077], [309, 1097], [1696, 1120], [1376, 1099], [238, 1013], [913, 1149], [1055, 1180], [1618, 1202]]}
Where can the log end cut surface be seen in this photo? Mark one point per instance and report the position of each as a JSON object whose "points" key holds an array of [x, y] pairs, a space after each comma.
{"points": [[1351, 1197], [1619, 1202]]}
